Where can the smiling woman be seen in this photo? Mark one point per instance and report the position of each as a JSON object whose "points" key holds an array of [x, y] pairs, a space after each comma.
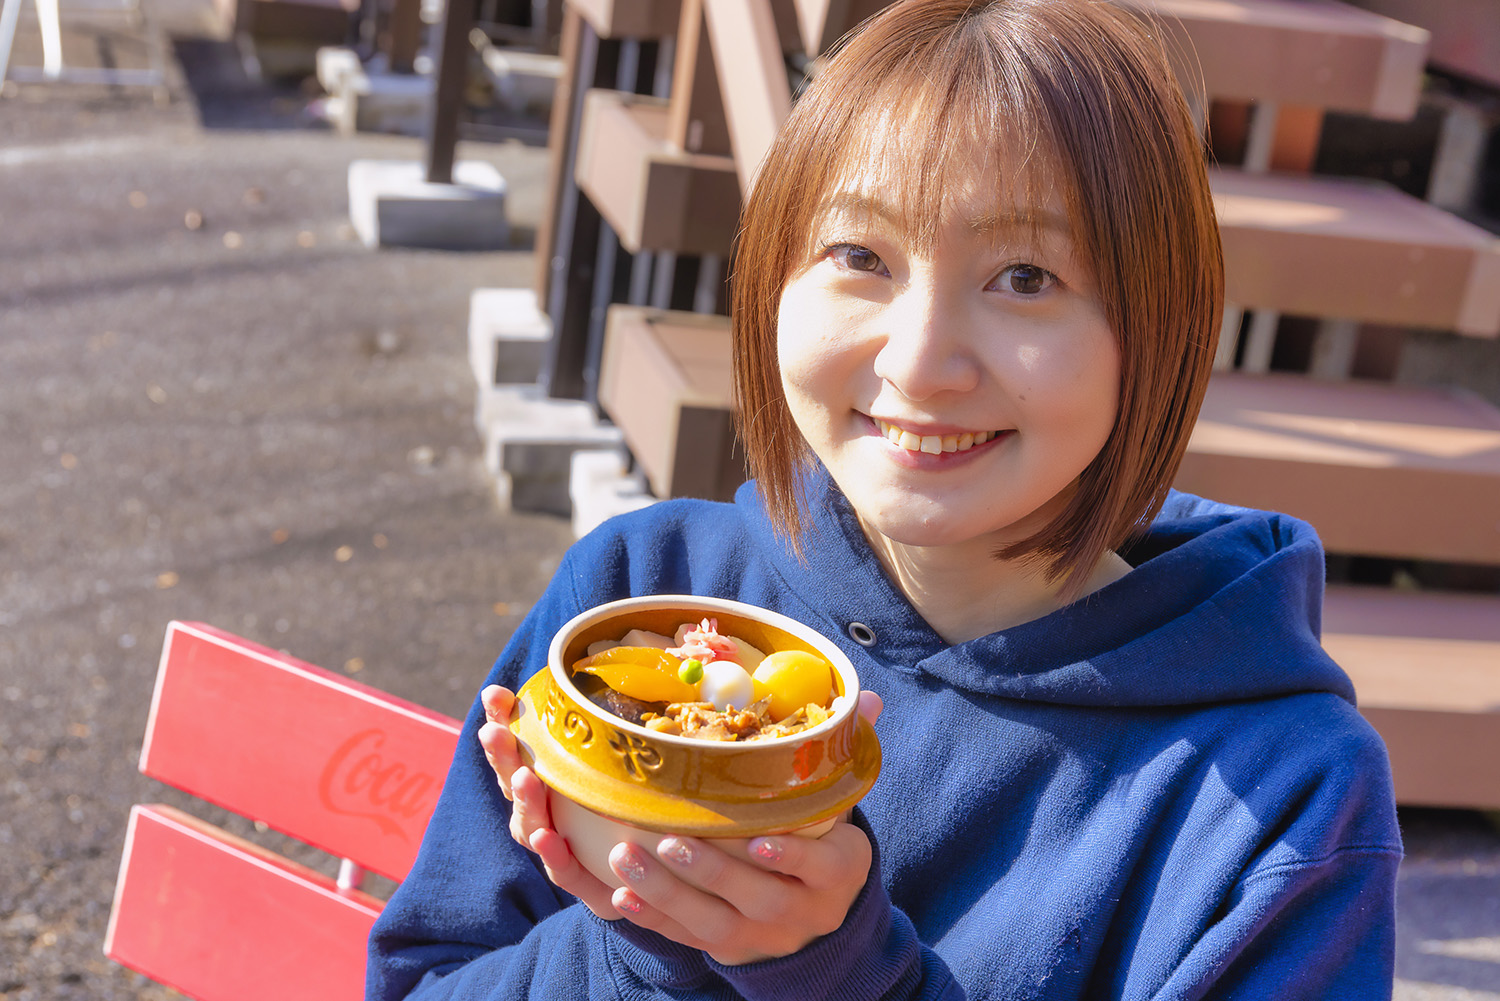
{"points": [[974, 315], [957, 379], [1059, 195]]}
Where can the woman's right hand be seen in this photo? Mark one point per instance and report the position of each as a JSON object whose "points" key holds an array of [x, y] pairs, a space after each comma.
{"points": [[531, 818]]}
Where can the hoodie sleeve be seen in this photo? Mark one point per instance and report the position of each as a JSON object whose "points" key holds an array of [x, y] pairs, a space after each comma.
{"points": [[1306, 931], [1312, 916]]}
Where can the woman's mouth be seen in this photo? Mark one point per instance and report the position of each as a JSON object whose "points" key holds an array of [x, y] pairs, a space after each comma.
{"points": [[932, 444]]}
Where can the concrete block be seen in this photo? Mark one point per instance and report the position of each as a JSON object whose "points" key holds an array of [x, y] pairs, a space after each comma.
{"points": [[524, 82], [369, 98], [508, 336], [335, 66], [392, 204], [529, 441], [602, 486]]}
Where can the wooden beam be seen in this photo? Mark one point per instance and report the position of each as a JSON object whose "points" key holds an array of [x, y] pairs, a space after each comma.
{"points": [[1318, 53], [1465, 33], [637, 19], [1378, 469], [1358, 250], [654, 195], [697, 122], [752, 77], [1424, 669], [665, 382]]}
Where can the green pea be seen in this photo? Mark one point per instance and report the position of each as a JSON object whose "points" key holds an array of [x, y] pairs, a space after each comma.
{"points": [[691, 671]]}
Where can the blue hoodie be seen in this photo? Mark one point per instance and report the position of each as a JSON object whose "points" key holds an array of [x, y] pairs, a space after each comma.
{"points": [[1161, 791]]}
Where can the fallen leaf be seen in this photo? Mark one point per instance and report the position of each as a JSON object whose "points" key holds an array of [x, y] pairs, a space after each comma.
{"points": [[233, 240], [344, 554], [380, 541], [193, 219], [280, 535], [354, 665], [137, 199], [156, 394], [502, 608], [166, 580]]}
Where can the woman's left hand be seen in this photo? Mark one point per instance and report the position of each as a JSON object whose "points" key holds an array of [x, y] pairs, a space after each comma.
{"points": [[740, 901]]}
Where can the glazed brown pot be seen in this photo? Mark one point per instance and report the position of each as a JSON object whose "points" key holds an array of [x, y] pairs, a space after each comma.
{"points": [[634, 784]]}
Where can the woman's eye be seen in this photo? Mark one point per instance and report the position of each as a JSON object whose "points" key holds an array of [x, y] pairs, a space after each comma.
{"points": [[856, 258], [1025, 279]]}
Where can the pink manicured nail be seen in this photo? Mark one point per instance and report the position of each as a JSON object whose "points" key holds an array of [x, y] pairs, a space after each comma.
{"points": [[677, 850], [768, 849], [629, 903], [630, 865]]}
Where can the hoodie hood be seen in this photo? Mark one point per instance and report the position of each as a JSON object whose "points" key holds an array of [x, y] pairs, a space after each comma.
{"points": [[1223, 604]]}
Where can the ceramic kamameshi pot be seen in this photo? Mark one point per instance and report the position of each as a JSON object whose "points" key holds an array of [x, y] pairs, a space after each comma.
{"points": [[618, 781]]}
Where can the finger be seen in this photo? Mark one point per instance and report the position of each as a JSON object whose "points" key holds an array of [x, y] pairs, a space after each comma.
{"points": [[498, 703], [501, 752], [530, 813], [710, 918], [870, 706], [818, 863], [628, 904], [568, 874]]}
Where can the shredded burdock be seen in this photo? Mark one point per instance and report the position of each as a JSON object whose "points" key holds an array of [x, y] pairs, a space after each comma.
{"points": [[701, 721]]}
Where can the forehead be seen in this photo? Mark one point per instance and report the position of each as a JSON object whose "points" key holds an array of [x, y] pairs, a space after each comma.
{"points": [[919, 165]]}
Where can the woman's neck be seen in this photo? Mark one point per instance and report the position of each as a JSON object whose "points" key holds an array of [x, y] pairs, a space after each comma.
{"points": [[965, 592]]}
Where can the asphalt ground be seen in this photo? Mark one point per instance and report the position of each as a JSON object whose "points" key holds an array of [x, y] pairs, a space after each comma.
{"points": [[217, 405]]}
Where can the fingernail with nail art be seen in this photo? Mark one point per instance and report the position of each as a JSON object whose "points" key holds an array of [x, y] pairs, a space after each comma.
{"points": [[629, 864], [676, 850], [768, 849]]}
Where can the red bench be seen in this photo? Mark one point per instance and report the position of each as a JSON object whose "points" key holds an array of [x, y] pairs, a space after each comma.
{"points": [[309, 753]]}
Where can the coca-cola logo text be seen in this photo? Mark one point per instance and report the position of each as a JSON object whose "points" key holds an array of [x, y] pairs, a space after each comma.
{"points": [[358, 781]]}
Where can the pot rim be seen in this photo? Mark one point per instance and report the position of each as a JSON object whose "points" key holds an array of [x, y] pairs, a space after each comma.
{"points": [[844, 704]]}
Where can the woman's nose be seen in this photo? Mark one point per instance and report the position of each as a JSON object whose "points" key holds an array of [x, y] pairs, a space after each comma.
{"points": [[925, 345]]}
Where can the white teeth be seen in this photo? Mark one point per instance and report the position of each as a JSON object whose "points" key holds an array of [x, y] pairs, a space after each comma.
{"points": [[933, 444]]}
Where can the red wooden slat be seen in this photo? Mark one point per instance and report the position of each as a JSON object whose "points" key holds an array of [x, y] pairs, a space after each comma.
{"points": [[221, 919], [340, 765]]}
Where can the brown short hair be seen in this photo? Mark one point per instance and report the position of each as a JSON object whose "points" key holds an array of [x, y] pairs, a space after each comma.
{"points": [[1081, 95]]}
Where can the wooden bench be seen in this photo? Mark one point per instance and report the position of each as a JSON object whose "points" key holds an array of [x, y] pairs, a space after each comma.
{"points": [[303, 751]]}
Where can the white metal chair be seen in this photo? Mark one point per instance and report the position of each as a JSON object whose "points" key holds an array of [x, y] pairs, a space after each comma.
{"points": [[53, 69]]}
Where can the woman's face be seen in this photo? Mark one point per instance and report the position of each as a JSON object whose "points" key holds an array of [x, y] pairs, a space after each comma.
{"points": [[955, 390]]}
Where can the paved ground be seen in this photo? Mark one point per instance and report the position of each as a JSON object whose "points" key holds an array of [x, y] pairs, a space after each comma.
{"points": [[255, 422]]}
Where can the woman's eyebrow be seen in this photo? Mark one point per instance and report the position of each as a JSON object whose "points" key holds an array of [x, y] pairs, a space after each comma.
{"points": [[857, 203], [1021, 218]]}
